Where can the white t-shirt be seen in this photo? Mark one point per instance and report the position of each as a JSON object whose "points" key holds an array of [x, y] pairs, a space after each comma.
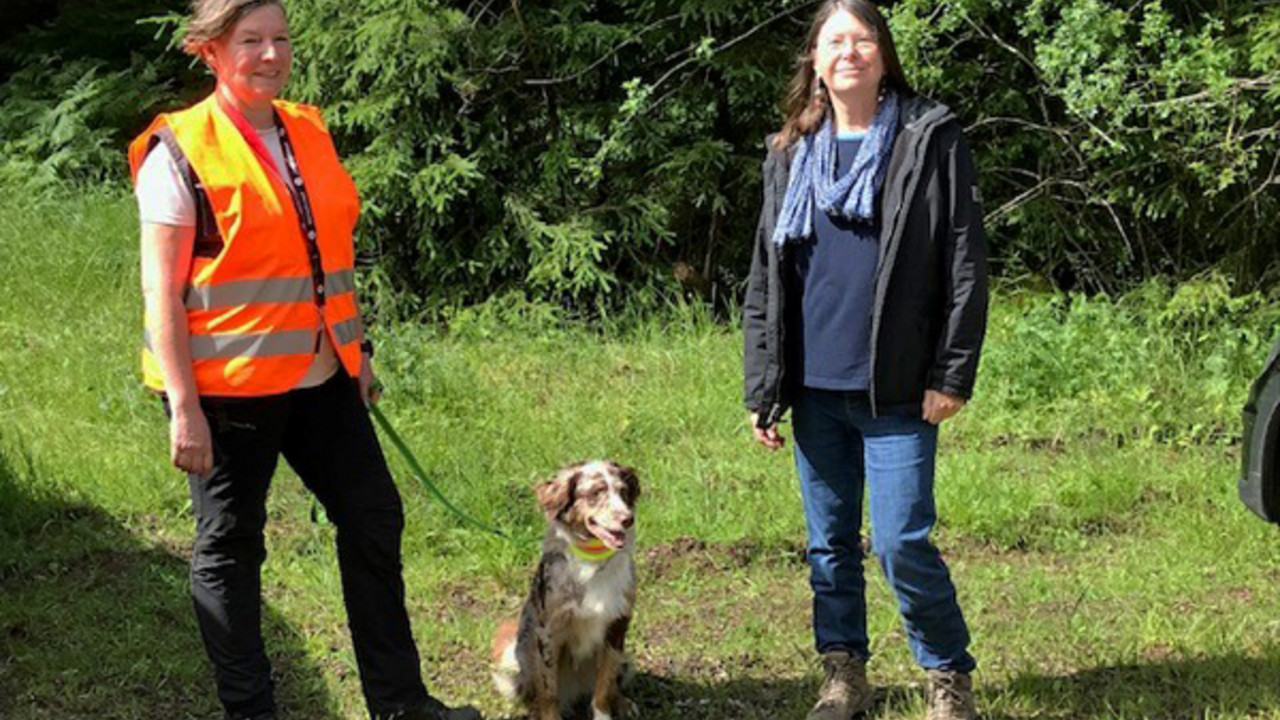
{"points": [[165, 199]]}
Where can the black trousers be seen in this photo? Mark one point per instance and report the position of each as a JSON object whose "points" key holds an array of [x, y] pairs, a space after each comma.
{"points": [[326, 436]]}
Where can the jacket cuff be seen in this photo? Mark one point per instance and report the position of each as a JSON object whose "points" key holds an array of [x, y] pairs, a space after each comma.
{"points": [[767, 416], [952, 386]]}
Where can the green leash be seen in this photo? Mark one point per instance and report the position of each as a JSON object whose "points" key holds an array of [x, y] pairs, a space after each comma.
{"points": [[422, 476]]}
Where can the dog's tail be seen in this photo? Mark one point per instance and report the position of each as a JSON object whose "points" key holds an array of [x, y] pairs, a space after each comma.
{"points": [[506, 668]]}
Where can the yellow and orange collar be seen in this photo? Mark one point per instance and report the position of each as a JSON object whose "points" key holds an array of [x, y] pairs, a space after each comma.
{"points": [[593, 550]]}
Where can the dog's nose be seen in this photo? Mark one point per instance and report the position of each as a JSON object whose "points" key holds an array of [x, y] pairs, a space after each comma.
{"points": [[628, 520]]}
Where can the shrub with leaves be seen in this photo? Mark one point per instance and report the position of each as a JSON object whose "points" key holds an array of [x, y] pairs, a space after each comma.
{"points": [[587, 153], [1116, 140], [74, 89]]}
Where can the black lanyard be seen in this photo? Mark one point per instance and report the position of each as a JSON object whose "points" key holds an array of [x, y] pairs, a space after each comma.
{"points": [[302, 207]]}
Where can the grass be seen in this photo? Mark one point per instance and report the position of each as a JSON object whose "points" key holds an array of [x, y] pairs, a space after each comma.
{"points": [[1087, 496]]}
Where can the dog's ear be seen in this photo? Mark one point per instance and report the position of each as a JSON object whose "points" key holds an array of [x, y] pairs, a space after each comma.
{"points": [[556, 495], [631, 481]]}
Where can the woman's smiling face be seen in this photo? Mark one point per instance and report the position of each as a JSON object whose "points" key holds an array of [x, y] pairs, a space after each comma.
{"points": [[253, 60], [847, 55]]}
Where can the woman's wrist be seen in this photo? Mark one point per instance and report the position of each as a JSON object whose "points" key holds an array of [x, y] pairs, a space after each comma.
{"points": [[184, 404]]}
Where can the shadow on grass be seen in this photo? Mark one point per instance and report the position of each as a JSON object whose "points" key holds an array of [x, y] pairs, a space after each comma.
{"points": [[659, 697], [95, 622], [1184, 689], [670, 697]]}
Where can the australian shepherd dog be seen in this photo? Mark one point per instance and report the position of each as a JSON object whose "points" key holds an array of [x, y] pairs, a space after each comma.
{"points": [[568, 642]]}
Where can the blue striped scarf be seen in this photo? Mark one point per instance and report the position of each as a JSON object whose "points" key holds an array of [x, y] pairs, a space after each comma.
{"points": [[813, 182]]}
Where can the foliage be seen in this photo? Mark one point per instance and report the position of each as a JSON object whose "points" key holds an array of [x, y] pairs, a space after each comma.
{"points": [[80, 85], [1161, 364], [576, 152], [601, 155], [1116, 140]]}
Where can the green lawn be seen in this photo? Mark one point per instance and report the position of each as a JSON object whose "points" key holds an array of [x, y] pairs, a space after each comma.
{"points": [[1088, 502]]}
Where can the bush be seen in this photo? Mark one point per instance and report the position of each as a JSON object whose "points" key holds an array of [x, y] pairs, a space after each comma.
{"points": [[573, 152], [1163, 363], [80, 87], [1116, 141]]}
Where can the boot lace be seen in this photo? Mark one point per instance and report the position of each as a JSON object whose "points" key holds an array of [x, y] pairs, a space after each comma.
{"points": [[946, 691]]}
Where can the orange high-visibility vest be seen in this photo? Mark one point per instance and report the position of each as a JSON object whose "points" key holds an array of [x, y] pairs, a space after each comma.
{"points": [[257, 305]]}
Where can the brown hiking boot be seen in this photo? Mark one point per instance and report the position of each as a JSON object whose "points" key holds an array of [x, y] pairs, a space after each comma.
{"points": [[845, 691], [950, 696]]}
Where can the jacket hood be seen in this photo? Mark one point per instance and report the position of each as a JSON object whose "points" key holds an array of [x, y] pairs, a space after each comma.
{"points": [[919, 113]]}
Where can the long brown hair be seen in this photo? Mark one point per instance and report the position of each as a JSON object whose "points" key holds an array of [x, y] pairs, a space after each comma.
{"points": [[807, 100], [211, 19]]}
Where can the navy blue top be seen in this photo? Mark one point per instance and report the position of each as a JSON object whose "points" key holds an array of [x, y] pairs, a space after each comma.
{"points": [[835, 271]]}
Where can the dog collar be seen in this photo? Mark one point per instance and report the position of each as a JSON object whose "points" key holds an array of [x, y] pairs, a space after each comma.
{"points": [[593, 550]]}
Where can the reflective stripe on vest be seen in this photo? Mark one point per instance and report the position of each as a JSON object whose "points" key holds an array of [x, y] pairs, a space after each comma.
{"points": [[266, 290], [349, 331], [249, 345]]}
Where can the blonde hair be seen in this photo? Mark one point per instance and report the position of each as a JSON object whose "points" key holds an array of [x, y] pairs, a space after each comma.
{"points": [[211, 19]]}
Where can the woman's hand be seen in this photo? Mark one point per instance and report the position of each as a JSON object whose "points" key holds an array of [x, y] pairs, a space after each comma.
{"points": [[768, 437], [190, 442], [370, 388], [939, 406]]}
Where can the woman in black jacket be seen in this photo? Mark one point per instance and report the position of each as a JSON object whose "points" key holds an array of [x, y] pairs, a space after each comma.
{"points": [[865, 313]]}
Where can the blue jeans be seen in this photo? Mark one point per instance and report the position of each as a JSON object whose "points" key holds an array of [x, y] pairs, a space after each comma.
{"points": [[839, 447]]}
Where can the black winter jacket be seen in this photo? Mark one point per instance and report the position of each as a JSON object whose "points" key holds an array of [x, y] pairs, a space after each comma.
{"points": [[929, 309]]}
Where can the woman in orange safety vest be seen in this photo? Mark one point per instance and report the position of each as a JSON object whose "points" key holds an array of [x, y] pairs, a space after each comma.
{"points": [[253, 336]]}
